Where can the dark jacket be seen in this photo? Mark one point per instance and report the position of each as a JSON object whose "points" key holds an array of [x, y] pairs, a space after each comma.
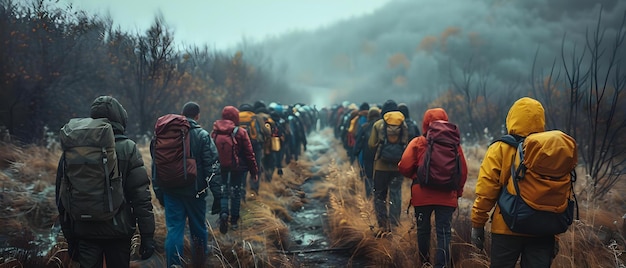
{"points": [[204, 151], [137, 209], [230, 119]]}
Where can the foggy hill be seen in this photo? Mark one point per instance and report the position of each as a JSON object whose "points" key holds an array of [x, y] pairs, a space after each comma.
{"points": [[410, 49]]}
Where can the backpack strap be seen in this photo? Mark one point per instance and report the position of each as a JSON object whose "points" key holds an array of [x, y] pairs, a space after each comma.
{"points": [[509, 139]]}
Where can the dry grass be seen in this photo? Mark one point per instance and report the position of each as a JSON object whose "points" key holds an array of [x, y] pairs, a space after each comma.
{"points": [[27, 179]]}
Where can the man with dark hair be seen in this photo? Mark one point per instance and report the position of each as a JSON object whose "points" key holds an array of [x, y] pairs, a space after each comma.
{"points": [[91, 242], [189, 203]]}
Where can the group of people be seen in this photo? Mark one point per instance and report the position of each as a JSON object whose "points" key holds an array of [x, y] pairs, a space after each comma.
{"points": [[383, 178], [267, 137]]}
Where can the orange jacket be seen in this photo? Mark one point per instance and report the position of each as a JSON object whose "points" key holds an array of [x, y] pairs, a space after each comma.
{"points": [[413, 154]]}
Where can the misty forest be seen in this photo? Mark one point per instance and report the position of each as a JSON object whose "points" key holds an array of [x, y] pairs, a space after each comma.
{"points": [[472, 58]]}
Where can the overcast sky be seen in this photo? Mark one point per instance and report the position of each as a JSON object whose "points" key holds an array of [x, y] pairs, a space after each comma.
{"points": [[223, 23]]}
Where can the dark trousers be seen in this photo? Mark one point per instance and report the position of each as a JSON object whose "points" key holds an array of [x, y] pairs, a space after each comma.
{"points": [[254, 185], [115, 251], [231, 193], [387, 184], [367, 173], [535, 252], [443, 228]]}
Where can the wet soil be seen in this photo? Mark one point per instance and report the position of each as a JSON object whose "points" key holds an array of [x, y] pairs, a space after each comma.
{"points": [[311, 246]]}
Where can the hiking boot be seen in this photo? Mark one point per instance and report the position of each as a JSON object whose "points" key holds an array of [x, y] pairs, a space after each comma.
{"points": [[280, 172], [234, 226], [223, 223]]}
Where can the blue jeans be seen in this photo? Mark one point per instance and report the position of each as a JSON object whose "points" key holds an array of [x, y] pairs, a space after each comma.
{"points": [[177, 210], [443, 227], [231, 193]]}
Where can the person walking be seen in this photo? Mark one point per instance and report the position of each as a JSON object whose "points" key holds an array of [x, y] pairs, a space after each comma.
{"points": [[237, 159], [526, 116], [92, 242], [363, 153], [188, 203], [427, 200], [389, 137]]}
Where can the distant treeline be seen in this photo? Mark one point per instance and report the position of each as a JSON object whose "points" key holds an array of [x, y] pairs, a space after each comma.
{"points": [[55, 60]]}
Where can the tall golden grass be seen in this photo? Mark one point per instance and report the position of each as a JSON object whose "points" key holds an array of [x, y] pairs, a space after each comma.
{"points": [[262, 240]]}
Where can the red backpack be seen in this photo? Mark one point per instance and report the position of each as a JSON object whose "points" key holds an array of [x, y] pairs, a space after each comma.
{"points": [[171, 152], [227, 148], [441, 166]]}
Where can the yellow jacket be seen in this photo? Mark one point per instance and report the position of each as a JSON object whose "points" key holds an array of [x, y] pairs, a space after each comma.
{"points": [[395, 119], [526, 116]]}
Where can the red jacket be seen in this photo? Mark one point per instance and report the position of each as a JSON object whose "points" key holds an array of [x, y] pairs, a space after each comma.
{"points": [[413, 154], [230, 119]]}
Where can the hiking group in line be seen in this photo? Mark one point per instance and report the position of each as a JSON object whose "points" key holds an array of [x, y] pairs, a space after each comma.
{"points": [[103, 189], [527, 175]]}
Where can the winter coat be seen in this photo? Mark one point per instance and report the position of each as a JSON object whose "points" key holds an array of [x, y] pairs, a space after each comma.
{"points": [[204, 151], [414, 154], [136, 211], [230, 119], [526, 116], [394, 118]]}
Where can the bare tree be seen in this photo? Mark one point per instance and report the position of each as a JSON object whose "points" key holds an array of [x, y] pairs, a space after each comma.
{"points": [[599, 80]]}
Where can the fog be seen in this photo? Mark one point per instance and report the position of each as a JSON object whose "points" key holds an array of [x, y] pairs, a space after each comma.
{"points": [[411, 50]]}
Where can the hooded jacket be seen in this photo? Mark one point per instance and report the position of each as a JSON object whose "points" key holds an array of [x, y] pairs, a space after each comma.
{"points": [[230, 120], [525, 117], [413, 155], [137, 210]]}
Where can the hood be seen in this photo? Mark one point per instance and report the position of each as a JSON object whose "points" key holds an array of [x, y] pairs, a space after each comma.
{"points": [[109, 108], [525, 117], [373, 114], [432, 115], [231, 113], [223, 126]]}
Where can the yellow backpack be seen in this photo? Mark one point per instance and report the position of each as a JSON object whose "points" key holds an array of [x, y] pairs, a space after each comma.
{"points": [[539, 198]]}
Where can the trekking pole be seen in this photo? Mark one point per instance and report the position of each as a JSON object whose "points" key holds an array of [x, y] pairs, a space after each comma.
{"points": [[208, 180]]}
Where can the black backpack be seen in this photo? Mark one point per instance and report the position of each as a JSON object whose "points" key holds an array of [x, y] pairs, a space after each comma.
{"points": [[391, 152]]}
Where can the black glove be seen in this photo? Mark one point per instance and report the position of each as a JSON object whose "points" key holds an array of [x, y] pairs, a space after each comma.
{"points": [[478, 237], [147, 247]]}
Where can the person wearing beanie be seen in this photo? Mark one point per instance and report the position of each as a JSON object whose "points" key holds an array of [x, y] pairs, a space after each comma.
{"points": [[414, 130], [388, 138], [388, 106], [92, 242], [233, 177], [364, 106], [365, 154]]}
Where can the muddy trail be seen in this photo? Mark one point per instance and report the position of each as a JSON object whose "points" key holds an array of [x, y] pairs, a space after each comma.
{"points": [[308, 231]]}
